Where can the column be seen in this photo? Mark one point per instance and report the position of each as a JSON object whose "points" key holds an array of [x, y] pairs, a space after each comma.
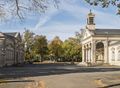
{"points": [[83, 54], [93, 50], [87, 55], [90, 53], [105, 51]]}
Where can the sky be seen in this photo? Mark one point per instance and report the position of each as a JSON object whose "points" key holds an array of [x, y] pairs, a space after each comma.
{"points": [[64, 21]]}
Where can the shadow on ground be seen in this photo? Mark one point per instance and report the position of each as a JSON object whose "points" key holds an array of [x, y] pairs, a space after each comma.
{"points": [[15, 81], [109, 86], [31, 70]]}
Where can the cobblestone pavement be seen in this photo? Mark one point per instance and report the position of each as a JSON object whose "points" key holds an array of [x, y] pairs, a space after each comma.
{"points": [[60, 76]]}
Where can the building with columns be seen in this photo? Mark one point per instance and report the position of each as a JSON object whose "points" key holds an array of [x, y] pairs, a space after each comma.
{"points": [[11, 49], [100, 45]]}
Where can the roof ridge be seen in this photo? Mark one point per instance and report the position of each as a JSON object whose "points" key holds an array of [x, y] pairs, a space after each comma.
{"points": [[106, 29]]}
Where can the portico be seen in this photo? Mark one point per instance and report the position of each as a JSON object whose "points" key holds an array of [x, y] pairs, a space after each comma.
{"points": [[99, 46]]}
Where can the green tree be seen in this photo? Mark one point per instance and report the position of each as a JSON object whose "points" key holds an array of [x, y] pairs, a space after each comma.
{"points": [[28, 42], [72, 49], [105, 3], [40, 46], [55, 48]]}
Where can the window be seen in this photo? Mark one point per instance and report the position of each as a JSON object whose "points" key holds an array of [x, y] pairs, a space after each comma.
{"points": [[113, 54], [118, 56], [91, 20]]}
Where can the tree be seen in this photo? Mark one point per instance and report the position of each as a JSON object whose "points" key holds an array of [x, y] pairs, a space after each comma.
{"points": [[21, 7], [72, 49], [78, 37], [55, 47], [28, 42], [105, 3], [40, 46]]}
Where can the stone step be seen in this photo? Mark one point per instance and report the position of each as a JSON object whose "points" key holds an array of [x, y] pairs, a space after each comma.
{"points": [[92, 64]]}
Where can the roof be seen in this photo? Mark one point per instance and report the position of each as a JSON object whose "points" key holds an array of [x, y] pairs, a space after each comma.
{"points": [[107, 31], [11, 34]]}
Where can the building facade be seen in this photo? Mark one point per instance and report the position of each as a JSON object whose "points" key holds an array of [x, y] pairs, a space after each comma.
{"points": [[11, 49], [99, 45]]}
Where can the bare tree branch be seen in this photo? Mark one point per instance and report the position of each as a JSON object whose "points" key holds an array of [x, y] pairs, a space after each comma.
{"points": [[19, 8]]}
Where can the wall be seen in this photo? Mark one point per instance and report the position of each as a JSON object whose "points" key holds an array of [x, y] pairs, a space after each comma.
{"points": [[1, 52], [9, 52], [114, 54]]}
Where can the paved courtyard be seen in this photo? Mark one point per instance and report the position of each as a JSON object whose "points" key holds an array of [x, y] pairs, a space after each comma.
{"points": [[60, 76]]}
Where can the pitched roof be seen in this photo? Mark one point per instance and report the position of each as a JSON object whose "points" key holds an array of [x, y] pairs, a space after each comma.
{"points": [[106, 31], [11, 34]]}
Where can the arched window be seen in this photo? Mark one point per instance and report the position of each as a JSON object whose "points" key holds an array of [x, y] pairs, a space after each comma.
{"points": [[113, 54], [100, 52], [118, 56]]}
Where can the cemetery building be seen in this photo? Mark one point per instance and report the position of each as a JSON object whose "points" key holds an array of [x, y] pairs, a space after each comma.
{"points": [[11, 49], [99, 45]]}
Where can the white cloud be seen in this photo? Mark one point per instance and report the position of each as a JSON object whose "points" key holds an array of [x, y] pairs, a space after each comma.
{"points": [[107, 20], [46, 17], [74, 9], [59, 29], [103, 20]]}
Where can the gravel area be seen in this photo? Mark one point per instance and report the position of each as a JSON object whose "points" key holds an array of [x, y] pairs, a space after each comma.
{"points": [[60, 76]]}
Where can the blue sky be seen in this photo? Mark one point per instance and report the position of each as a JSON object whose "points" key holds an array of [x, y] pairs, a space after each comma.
{"points": [[65, 21]]}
